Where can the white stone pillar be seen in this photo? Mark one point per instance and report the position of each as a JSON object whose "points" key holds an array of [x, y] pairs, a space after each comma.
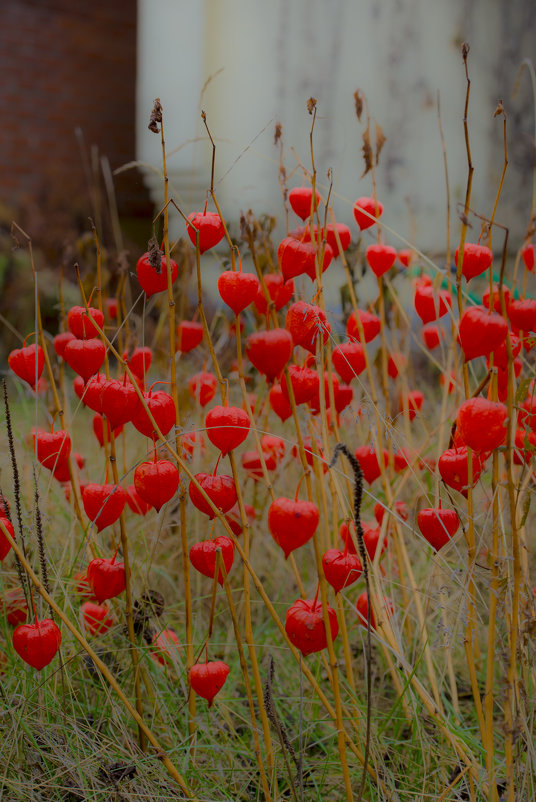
{"points": [[171, 66]]}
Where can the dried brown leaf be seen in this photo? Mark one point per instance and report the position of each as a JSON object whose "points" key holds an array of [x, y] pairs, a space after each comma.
{"points": [[156, 117], [367, 151], [358, 101], [244, 227], [381, 139], [500, 109], [155, 254]]}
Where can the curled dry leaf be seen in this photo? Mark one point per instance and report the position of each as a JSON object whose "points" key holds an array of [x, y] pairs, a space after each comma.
{"points": [[381, 139], [358, 102], [367, 151], [156, 117]]}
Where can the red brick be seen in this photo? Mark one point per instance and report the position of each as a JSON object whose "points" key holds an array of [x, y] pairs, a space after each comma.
{"points": [[62, 67]]}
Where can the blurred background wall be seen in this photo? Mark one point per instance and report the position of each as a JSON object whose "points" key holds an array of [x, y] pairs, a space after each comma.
{"points": [[251, 64], [79, 80]]}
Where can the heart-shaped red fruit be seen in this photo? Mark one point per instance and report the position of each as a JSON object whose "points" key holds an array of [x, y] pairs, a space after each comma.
{"points": [[14, 606], [279, 402], [151, 269], [238, 289], [365, 212], [341, 569], [119, 402], [82, 586], [301, 201], [292, 523], [220, 489], [209, 226], [112, 307], [305, 627], [95, 618], [476, 259], [202, 387], [103, 503], [80, 322], [481, 332], [430, 305], [527, 254], [27, 363], [307, 324], [90, 392], [189, 335], [522, 314], [344, 395], [297, 258], [156, 482], [413, 402], [251, 463], [496, 298], [303, 233], [405, 257], [37, 643], [368, 460], [370, 323], [139, 361], [311, 455], [438, 526], [304, 383], [371, 538], [380, 258], [162, 409], [106, 578], [61, 340], [452, 466], [362, 607], [272, 444], [280, 292], [166, 646], [85, 357], [432, 336], [207, 679], [269, 351], [527, 413], [482, 424], [5, 545], [53, 448], [227, 427], [203, 556], [500, 355], [345, 237], [395, 364], [135, 501], [525, 447], [349, 360]]}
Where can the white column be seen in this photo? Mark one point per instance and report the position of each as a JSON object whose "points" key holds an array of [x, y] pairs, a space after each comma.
{"points": [[171, 55]]}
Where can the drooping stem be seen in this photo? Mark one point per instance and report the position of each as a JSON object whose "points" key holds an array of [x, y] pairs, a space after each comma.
{"points": [[174, 394]]}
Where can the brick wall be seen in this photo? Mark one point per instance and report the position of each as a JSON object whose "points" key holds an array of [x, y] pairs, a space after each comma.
{"points": [[65, 65]]}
